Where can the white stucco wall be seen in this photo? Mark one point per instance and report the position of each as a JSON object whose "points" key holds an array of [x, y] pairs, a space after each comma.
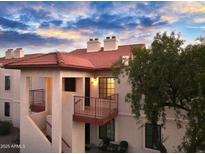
{"points": [[12, 96], [30, 132], [33, 139], [136, 137], [37, 83], [73, 132], [128, 128], [78, 137], [40, 119]]}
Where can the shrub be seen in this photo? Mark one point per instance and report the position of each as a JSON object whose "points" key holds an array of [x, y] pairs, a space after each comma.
{"points": [[5, 127]]}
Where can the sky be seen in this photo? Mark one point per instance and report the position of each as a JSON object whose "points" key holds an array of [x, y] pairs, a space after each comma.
{"points": [[63, 26]]}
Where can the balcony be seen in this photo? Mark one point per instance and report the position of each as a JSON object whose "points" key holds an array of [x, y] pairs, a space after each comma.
{"points": [[97, 111], [37, 100]]}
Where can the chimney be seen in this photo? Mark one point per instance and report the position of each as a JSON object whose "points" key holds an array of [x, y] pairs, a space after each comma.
{"points": [[9, 54], [110, 43], [93, 45], [125, 60], [18, 53]]}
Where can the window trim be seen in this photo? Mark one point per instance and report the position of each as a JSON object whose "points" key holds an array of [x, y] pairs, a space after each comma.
{"points": [[99, 86], [67, 90], [7, 114], [160, 136], [100, 127], [7, 88]]}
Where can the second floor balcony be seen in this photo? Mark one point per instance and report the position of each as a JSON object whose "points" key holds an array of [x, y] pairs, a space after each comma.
{"points": [[95, 110], [37, 100]]}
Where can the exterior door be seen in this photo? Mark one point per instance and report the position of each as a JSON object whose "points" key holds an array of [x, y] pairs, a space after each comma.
{"points": [[87, 103], [87, 133], [87, 91]]}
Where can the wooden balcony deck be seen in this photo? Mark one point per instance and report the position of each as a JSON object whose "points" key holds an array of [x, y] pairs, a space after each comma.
{"points": [[95, 110]]}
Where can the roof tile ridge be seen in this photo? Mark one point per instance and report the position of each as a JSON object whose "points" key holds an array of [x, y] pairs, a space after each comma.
{"points": [[91, 63], [29, 58], [32, 54], [59, 58], [133, 44], [72, 55], [88, 61]]}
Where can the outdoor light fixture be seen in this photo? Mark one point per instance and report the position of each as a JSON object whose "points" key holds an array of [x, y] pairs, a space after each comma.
{"points": [[94, 81]]}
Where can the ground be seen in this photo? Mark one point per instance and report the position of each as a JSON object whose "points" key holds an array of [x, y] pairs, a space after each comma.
{"points": [[9, 143]]}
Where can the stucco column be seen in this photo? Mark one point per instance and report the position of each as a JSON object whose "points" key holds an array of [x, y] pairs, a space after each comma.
{"points": [[78, 128], [24, 107], [57, 114], [24, 96], [83, 86], [83, 90], [45, 87]]}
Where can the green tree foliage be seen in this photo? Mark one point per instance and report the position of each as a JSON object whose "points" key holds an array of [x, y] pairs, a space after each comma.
{"points": [[170, 76]]}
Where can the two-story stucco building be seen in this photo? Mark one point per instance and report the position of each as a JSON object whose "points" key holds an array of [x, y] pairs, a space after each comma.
{"points": [[79, 101]]}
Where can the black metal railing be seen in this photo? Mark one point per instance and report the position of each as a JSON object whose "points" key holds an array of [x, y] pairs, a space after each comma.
{"points": [[37, 100]]}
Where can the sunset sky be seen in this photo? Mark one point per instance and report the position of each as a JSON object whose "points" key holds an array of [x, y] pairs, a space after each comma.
{"points": [[63, 26]]}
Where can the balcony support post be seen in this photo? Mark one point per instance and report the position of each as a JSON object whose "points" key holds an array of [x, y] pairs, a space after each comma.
{"points": [[110, 108], [117, 101], [95, 110], [57, 113], [83, 92]]}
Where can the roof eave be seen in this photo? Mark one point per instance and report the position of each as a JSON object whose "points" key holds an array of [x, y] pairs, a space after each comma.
{"points": [[48, 66]]}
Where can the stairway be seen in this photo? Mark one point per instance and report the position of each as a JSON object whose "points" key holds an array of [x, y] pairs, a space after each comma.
{"points": [[65, 146]]}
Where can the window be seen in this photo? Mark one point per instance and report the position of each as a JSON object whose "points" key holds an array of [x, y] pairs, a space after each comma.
{"points": [[7, 82], [7, 109], [150, 134], [107, 131], [70, 84], [106, 87]]}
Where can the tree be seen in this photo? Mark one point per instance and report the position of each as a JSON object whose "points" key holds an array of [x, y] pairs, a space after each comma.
{"points": [[169, 76], [194, 140]]}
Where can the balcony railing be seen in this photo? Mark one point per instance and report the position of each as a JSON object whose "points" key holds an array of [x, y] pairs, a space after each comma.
{"points": [[37, 100], [95, 110]]}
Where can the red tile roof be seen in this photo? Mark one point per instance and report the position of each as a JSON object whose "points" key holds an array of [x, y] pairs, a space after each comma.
{"points": [[105, 59], [6, 61], [77, 59]]}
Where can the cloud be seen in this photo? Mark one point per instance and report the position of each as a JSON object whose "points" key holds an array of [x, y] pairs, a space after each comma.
{"points": [[151, 21], [182, 11], [188, 7], [59, 33], [115, 22], [66, 10], [96, 6], [30, 14], [14, 39], [58, 24], [199, 20], [11, 24], [52, 23], [196, 27]]}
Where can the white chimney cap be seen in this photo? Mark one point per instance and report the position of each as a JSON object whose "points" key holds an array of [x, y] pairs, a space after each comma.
{"points": [[9, 54], [18, 53], [93, 45], [110, 43]]}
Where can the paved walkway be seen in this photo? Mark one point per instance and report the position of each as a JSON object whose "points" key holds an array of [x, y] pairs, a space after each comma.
{"points": [[8, 143]]}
